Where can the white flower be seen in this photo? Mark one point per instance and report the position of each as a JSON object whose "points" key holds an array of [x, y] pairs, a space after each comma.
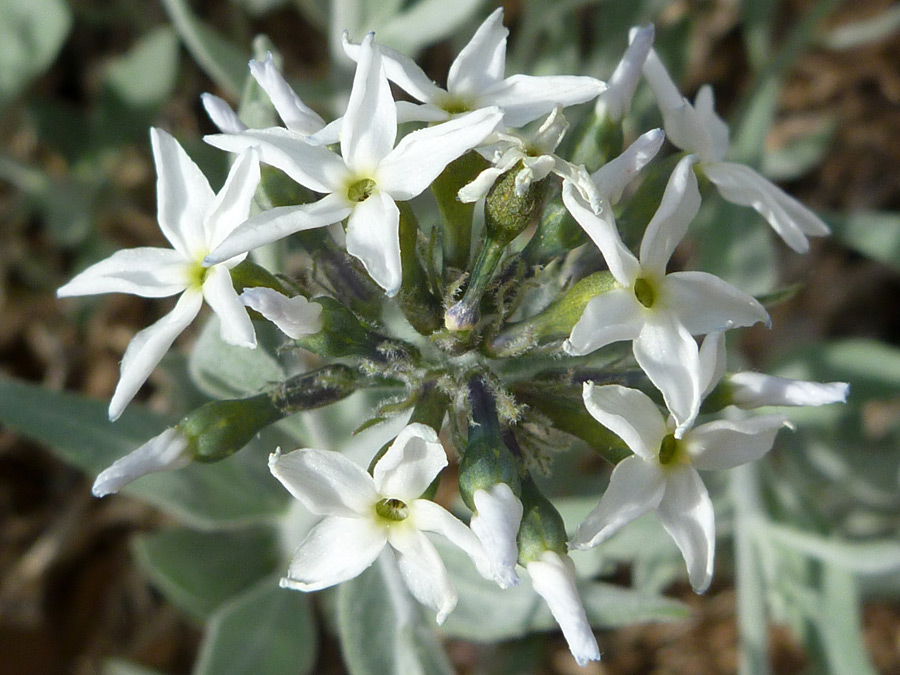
{"points": [[476, 81], [615, 102], [660, 312], [505, 151], [165, 452], [365, 182], [498, 514], [613, 177], [749, 390], [553, 577], [195, 221], [295, 317], [662, 474], [364, 513], [698, 129], [222, 115]]}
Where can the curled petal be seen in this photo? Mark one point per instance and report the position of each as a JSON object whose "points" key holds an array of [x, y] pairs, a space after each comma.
{"points": [[791, 220], [295, 317], [498, 514], [754, 390], [610, 317], [423, 571], [629, 414], [704, 303], [413, 461], [482, 62], [553, 578], [686, 512], [296, 115], [146, 271], [373, 236], [165, 452], [479, 187], [636, 486], [222, 115], [335, 550], [616, 101], [234, 322], [613, 177], [147, 348], [725, 444], [327, 483]]}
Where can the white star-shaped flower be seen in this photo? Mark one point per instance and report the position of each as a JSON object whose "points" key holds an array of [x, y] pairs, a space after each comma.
{"points": [[506, 150], [662, 474], [362, 184], [698, 129], [364, 513], [195, 220], [660, 312], [476, 80]]}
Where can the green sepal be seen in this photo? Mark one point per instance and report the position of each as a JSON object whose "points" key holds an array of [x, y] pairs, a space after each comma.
{"points": [[598, 140], [342, 334], [420, 306], [219, 429], [555, 322], [248, 274], [557, 235], [318, 388], [542, 527], [456, 216]]}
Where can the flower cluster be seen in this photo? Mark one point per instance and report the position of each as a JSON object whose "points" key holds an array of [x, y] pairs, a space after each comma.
{"points": [[456, 323]]}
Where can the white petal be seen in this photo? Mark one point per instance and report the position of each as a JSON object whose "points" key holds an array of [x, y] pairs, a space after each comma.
{"points": [[610, 317], [413, 112], [630, 414], [370, 123], [427, 516], [402, 71], [373, 236], [687, 514], [222, 115], [665, 92], [479, 187], [147, 348], [553, 578], [234, 322], [335, 550], [524, 98], [278, 223], [680, 203], [715, 126], [423, 571], [327, 135], [183, 194], [602, 231], [413, 461], [296, 115], [422, 155], [482, 62], [667, 353], [725, 444], [636, 486], [712, 361], [753, 390], [165, 452], [146, 271], [577, 176], [613, 177], [326, 482], [790, 219], [498, 514], [313, 166], [232, 205], [295, 317], [705, 303], [617, 99]]}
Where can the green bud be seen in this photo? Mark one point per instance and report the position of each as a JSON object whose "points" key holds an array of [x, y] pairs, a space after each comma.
{"points": [[456, 216], [556, 236], [507, 214], [555, 322], [317, 388], [219, 429], [542, 527]]}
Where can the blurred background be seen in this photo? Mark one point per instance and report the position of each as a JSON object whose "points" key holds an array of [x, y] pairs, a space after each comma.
{"points": [[816, 86]]}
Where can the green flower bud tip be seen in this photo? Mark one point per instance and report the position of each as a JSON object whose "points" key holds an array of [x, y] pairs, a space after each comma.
{"points": [[542, 527]]}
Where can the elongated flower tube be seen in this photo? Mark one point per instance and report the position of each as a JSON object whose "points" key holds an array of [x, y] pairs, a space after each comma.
{"points": [[295, 317], [363, 514], [698, 129], [195, 221], [662, 474], [659, 312], [476, 81]]}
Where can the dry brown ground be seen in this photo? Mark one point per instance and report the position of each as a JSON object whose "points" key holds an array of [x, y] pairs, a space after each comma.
{"points": [[70, 595]]}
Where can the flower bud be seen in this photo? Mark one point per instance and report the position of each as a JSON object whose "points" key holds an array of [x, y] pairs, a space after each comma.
{"points": [[166, 452], [341, 334]]}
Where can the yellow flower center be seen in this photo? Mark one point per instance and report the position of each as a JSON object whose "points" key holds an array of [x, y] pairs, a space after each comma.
{"points": [[197, 274], [643, 291], [392, 509], [671, 451], [361, 190], [455, 105]]}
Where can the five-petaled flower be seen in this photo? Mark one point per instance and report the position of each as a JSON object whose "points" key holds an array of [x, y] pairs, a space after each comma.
{"points": [[364, 513], [195, 220], [362, 184], [662, 474]]}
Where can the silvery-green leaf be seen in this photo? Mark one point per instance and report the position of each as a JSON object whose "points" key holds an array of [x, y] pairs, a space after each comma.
{"points": [[875, 234], [426, 22], [266, 631], [198, 571], [146, 75], [840, 623]]}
